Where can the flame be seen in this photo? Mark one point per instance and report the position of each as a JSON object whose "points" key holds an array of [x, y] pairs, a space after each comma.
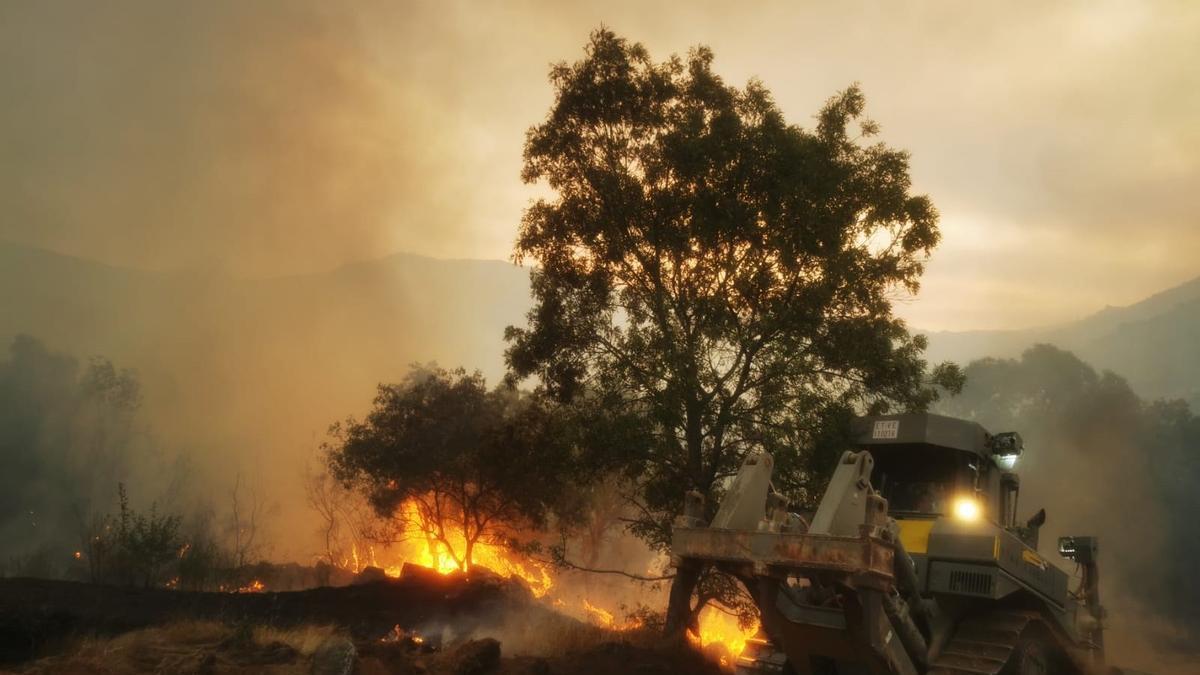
{"points": [[604, 618], [78, 555], [721, 634], [420, 548], [255, 586]]}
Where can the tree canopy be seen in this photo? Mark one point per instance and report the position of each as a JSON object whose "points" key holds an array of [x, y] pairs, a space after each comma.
{"points": [[441, 455], [726, 275]]}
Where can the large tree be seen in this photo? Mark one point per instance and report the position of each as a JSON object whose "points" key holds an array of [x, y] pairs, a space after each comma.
{"points": [[443, 457], [725, 274]]}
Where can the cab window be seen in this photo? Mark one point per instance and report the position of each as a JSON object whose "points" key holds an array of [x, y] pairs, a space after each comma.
{"points": [[917, 479]]}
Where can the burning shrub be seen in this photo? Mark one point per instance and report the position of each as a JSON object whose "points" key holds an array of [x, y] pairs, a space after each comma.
{"points": [[464, 470]]}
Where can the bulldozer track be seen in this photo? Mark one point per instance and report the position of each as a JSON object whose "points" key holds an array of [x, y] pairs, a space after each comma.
{"points": [[983, 645]]}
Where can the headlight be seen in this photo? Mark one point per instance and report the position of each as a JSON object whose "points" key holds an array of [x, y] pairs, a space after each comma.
{"points": [[1006, 462], [967, 508]]}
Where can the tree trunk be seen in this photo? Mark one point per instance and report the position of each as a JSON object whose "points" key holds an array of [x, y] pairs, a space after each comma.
{"points": [[687, 575], [679, 603]]}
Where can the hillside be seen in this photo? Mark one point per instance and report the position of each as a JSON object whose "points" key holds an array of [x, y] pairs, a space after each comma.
{"points": [[1155, 343]]}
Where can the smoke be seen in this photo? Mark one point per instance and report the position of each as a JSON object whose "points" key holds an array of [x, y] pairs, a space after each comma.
{"points": [[69, 433], [283, 137], [1103, 462], [249, 136]]}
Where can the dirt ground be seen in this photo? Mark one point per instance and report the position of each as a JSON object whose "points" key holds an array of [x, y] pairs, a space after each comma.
{"points": [[419, 624], [213, 648]]}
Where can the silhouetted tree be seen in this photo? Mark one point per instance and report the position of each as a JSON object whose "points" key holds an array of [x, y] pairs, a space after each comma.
{"points": [[725, 275], [346, 518], [486, 464], [246, 509]]}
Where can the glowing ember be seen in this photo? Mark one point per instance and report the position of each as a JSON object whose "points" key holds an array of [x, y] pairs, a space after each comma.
{"points": [[78, 555], [720, 633], [401, 636], [255, 586]]}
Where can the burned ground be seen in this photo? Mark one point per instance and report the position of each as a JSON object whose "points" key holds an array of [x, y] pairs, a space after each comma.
{"points": [[421, 623]]}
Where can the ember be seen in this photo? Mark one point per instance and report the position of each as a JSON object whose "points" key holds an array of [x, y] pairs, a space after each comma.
{"points": [[397, 635], [255, 586]]}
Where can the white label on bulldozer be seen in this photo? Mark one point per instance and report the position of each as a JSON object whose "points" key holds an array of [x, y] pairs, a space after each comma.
{"points": [[886, 429]]}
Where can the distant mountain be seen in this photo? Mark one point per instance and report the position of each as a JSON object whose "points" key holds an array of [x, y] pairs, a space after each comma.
{"points": [[1155, 343]]}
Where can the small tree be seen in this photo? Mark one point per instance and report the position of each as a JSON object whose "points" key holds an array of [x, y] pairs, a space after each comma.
{"points": [[132, 548], [246, 509], [347, 521], [441, 455]]}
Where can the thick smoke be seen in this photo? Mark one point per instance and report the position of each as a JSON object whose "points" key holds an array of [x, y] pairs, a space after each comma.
{"points": [[69, 433], [1104, 462]]}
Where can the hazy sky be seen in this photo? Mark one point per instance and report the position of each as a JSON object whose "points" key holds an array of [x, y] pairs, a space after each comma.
{"points": [[1061, 141]]}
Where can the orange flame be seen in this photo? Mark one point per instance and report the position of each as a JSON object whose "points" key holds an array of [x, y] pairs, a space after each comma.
{"points": [[720, 634], [255, 586], [603, 617], [419, 548]]}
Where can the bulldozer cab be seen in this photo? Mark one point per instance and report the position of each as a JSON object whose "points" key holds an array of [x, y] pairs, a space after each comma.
{"points": [[926, 466], [921, 483]]}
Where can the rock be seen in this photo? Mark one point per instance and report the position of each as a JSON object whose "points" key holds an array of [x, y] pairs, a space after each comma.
{"points": [[370, 574], [335, 656], [475, 657]]}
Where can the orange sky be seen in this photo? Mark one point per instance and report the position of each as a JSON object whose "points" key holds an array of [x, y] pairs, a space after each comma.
{"points": [[1061, 144]]}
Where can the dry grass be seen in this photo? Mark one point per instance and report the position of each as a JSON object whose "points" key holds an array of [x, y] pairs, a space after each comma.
{"points": [[212, 648], [182, 648], [304, 639], [548, 635]]}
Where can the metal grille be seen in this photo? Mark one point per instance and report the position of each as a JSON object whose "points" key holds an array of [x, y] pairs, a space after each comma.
{"points": [[971, 582]]}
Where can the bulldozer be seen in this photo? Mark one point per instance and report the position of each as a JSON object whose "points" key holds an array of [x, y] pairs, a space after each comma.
{"points": [[913, 563]]}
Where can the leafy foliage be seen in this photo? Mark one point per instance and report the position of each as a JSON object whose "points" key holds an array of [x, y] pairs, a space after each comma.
{"points": [[487, 463], [722, 275]]}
